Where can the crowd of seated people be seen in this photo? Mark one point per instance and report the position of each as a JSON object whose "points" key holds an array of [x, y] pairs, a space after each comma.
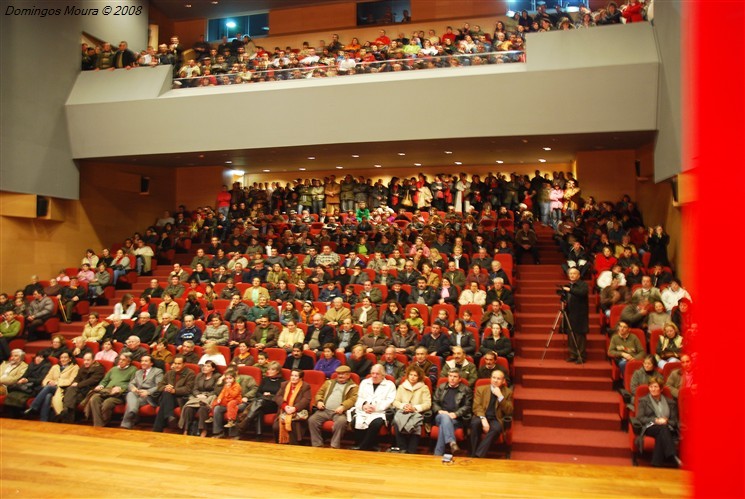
{"points": [[241, 60], [358, 273]]}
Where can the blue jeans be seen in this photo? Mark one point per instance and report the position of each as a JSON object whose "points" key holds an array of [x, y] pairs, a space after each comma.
{"points": [[545, 212], [43, 402], [447, 432]]}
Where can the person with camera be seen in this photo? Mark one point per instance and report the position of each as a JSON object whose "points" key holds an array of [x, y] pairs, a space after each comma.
{"points": [[575, 300]]}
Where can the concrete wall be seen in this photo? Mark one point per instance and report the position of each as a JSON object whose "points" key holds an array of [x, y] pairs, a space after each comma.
{"points": [[40, 58]]}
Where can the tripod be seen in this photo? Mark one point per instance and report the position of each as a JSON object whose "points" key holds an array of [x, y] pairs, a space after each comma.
{"points": [[561, 315]]}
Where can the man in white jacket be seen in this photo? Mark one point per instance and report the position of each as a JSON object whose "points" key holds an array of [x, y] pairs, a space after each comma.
{"points": [[375, 395]]}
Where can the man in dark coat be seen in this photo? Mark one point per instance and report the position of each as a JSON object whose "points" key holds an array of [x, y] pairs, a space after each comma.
{"points": [[578, 315]]}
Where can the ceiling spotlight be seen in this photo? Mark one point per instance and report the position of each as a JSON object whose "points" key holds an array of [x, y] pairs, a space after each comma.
{"points": [[237, 172], [339, 167], [302, 169], [448, 152], [402, 154], [266, 171], [355, 155], [228, 162], [499, 161], [458, 163], [311, 157], [417, 164], [188, 5], [201, 155], [542, 160], [214, 2], [377, 166], [546, 148]]}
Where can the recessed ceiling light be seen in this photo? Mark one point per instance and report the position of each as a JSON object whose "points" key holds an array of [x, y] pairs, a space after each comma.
{"points": [[546, 148], [458, 163], [339, 167], [188, 6], [417, 164], [266, 171], [302, 169], [311, 157], [377, 166], [228, 162], [448, 152], [214, 2], [525, 141], [499, 161], [201, 155], [402, 154], [355, 155], [542, 160]]}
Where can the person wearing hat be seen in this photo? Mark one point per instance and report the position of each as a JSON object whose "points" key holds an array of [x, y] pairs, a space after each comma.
{"points": [[334, 398]]}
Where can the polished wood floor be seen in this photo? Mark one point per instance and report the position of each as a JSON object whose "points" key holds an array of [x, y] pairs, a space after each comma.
{"points": [[42, 460]]}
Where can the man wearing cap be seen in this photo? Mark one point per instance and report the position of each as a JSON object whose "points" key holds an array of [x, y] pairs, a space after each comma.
{"points": [[332, 401]]}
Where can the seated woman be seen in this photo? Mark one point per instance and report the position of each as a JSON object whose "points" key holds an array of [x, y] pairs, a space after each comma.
{"points": [[239, 334], [192, 307], [212, 354], [200, 401], [144, 305], [281, 293], [200, 274], [413, 400], [293, 406], [307, 312], [495, 342], [669, 346], [59, 377], [125, 309], [289, 313], [447, 292], [216, 330], [29, 384], [242, 355], [161, 356], [657, 319], [57, 346], [328, 362], [303, 292], [264, 402], [290, 335], [392, 315], [657, 416], [404, 339]]}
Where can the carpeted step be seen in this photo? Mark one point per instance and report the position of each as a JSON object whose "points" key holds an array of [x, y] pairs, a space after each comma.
{"points": [[570, 441], [526, 325], [558, 351], [570, 419], [553, 367], [568, 382], [103, 310], [558, 399], [524, 339], [571, 458]]}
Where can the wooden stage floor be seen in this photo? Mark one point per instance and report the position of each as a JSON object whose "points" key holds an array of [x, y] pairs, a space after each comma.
{"points": [[42, 460]]}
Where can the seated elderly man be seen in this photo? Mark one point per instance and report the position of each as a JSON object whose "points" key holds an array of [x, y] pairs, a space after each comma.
{"points": [[391, 365], [332, 402], [38, 311], [376, 394], [88, 377], [337, 313], [651, 293], [174, 387], [451, 405], [491, 404], [141, 388], [144, 329], [134, 348], [12, 369], [111, 391]]}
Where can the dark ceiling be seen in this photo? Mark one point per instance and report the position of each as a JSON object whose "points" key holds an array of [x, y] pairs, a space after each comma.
{"points": [[178, 10], [428, 153]]}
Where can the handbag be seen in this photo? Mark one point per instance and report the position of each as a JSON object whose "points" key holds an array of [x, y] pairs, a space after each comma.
{"points": [[256, 407], [406, 201]]}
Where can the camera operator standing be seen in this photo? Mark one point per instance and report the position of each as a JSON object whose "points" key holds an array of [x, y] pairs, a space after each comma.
{"points": [[578, 314]]}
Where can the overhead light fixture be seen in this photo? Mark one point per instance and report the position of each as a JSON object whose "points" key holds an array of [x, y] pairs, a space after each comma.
{"points": [[266, 171], [417, 164], [237, 172], [458, 163], [546, 148], [311, 157], [542, 160], [228, 162], [302, 169], [231, 24], [499, 161], [402, 154], [448, 152], [355, 155], [188, 5], [339, 167], [377, 166], [525, 141], [214, 2], [201, 155]]}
